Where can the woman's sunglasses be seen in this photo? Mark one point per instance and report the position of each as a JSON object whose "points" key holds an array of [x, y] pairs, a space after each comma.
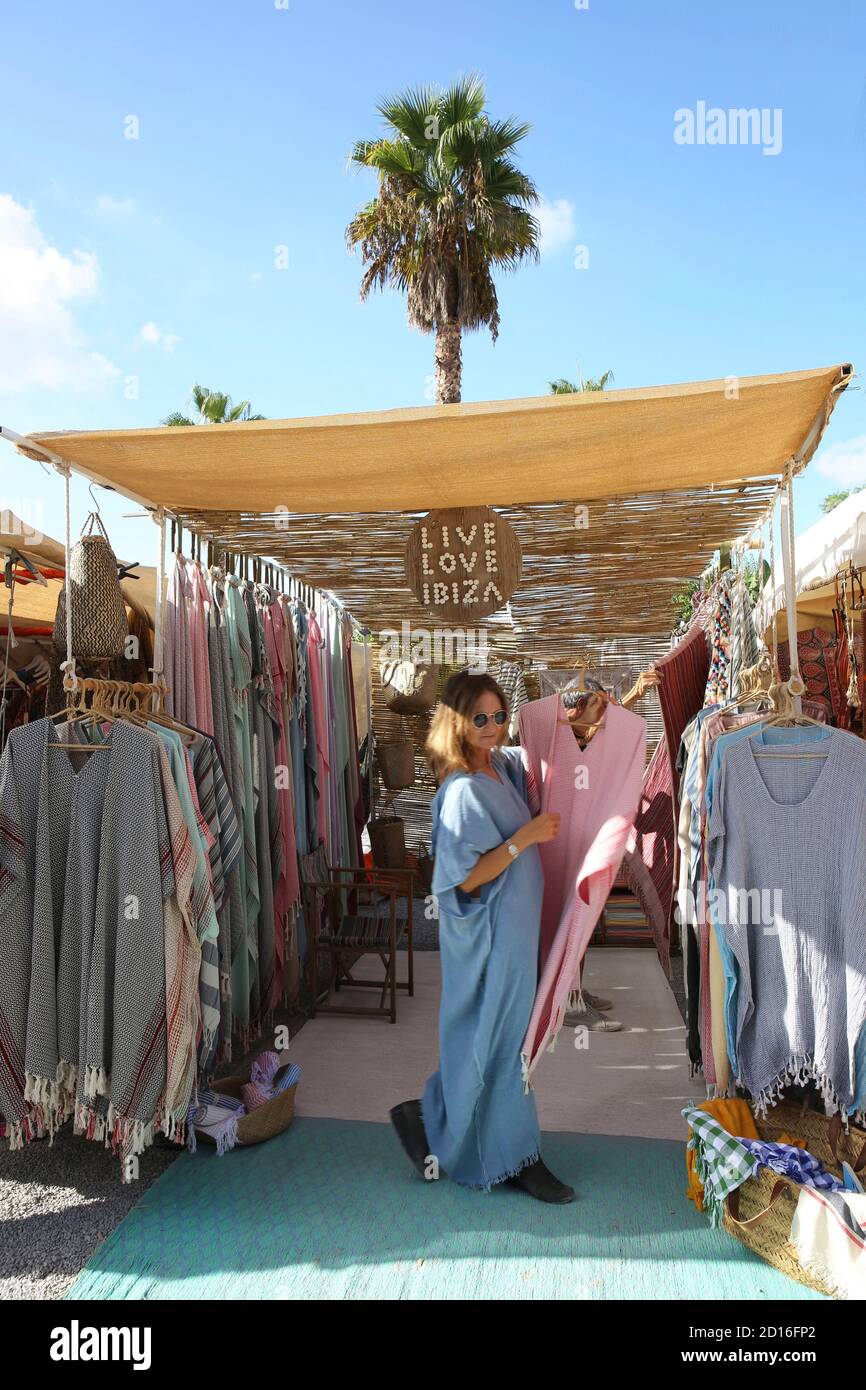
{"points": [[479, 720]]}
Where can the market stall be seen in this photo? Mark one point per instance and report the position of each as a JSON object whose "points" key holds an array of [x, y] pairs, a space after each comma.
{"points": [[288, 550]]}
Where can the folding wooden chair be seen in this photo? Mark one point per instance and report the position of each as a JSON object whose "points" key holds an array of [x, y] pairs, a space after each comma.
{"points": [[349, 913]]}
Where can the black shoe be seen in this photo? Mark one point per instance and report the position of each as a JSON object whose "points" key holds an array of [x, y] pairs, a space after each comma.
{"points": [[407, 1121], [540, 1183]]}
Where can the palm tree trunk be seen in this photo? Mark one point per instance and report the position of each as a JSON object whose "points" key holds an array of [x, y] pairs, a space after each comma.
{"points": [[449, 364]]}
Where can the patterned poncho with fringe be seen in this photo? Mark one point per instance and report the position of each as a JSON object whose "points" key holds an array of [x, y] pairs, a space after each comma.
{"points": [[82, 984]]}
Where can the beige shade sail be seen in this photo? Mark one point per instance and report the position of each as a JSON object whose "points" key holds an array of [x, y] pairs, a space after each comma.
{"points": [[498, 453], [27, 540]]}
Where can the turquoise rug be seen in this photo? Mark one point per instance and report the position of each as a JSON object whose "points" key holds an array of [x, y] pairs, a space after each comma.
{"points": [[332, 1210]]}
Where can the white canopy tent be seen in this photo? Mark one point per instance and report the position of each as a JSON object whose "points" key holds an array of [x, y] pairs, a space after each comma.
{"points": [[834, 542]]}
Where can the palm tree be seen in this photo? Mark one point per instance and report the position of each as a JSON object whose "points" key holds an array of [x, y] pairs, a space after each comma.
{"points": [[561, 387], [214, 408], [452, 207], [832, 501]]}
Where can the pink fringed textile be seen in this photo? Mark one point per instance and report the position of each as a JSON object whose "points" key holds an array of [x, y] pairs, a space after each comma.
{"points": [[596, 793], [198, 625], [177, 655], [651, 858]]}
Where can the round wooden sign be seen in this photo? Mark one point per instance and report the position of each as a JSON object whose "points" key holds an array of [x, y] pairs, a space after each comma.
{"points": [[462, 564]]}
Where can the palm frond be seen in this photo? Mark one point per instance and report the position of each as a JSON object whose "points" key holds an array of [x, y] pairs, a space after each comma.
{"points": [[463, 100], [410, 114], [214, 408]]}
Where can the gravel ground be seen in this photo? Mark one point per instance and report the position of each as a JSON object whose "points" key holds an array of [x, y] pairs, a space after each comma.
{"points": [[57, 1203]]}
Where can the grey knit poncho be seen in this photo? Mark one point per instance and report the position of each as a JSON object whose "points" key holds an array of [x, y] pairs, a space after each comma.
{"points": [[82, 984], [791, 834]]}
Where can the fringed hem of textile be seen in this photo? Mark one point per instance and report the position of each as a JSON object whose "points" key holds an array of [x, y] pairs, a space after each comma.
{"points": [[21, 1132], [173, 1126], [127, 1136], [52, 1100], [714, 1207], [800, 1070], [227, 1139], [525, 1073], [96, 1082], [224, 1141], [826, 1276], [88, 1123], [512, 1173]]}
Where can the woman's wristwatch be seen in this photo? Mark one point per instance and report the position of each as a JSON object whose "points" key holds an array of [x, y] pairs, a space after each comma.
{"points": [[512, 848]]}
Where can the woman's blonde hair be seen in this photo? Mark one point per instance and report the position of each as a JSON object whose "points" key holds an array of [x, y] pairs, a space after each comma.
{"points": [[448, 746]]}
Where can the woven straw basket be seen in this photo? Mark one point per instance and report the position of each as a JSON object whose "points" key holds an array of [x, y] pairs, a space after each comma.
{"points": [[99, 624], [397, 764], [268, 1120], [761, 1211]]}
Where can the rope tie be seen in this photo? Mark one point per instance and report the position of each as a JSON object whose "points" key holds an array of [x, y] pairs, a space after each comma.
{"points": [[775, 633], [157, 668], [70, 678], [796, 685]]}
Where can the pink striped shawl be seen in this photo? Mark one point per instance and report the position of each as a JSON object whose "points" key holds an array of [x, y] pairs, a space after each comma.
{"points": [[580, 865]]}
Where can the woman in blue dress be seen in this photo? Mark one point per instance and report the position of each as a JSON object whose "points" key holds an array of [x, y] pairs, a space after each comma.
{"points": [[475, 1121]]}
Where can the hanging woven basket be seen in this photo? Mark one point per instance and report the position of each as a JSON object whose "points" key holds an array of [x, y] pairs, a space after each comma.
{"points": [[388, 842], [92, 589], [397, 764], [408, 686]]}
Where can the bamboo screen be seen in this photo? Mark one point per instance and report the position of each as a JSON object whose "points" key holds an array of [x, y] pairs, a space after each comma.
{"points": [[597, 581]]}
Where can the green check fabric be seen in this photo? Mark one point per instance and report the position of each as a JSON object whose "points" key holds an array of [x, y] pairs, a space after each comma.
{"points": [[722, 1163]]}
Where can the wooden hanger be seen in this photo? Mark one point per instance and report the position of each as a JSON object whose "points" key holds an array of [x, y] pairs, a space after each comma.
{"points": [[79, 714], [794, 750]]}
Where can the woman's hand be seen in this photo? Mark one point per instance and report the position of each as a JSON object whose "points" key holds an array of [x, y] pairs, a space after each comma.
{"points": [[645, 681], [540, 830], [490, 865], [587, 714]]}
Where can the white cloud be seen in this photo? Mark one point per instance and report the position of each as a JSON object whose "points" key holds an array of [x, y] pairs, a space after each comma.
{"points": [[154, 336], [106, 206], [845, 462], [40, 343], [558, 224]]}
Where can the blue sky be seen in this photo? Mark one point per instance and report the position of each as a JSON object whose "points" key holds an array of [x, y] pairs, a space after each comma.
{"points": [[152, 260]]}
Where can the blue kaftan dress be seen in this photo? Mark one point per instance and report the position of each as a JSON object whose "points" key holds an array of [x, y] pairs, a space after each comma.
{"points": [[479, 1124]]}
